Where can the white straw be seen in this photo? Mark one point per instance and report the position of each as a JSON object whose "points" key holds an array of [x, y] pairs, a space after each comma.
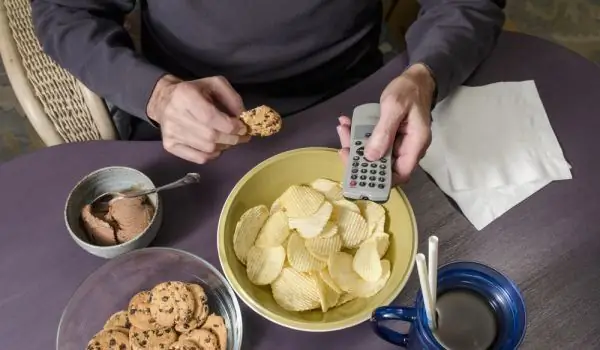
{"points": [[429, 310], [433, 267]]}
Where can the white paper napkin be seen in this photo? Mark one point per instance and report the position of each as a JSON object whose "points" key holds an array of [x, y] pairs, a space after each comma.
{"points": [[493, 146]]}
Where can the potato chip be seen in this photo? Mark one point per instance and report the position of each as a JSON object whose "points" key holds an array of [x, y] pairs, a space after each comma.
{"points": [[342, 273], [328, 297], [263, 265], [344, 298], [372, 212], [366, 262], [274, 232], [296, 291], [276, 206], [368, 289], [343, 204], [352, 228], [321, 247], [326, 277], [380, 227], [299, 257], [330, 230], [247, 229], [301, 201], [330, 189], [382, 240], [312, 226]]}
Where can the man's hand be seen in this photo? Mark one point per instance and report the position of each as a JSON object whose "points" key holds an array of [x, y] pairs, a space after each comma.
{"points": [[197, 117], [404, 124]]}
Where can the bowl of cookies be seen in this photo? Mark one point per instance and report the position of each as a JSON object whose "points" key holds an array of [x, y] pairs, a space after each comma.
{"points": [[152, 298], [301, 255]]}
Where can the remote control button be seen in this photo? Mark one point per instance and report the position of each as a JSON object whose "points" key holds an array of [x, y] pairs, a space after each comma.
{"points": [[383, 160], [372, 178], [362, 184], [352, 183], [356, 158], [358, 143], [373, 171], [363, 170], [353, 177], [363, 177], [364, 165], [381, 185], [371, 184], [360, 151], [382, 166], [382, 173], [368, 134], [382, 179], [354, 171], [355, 164], [373, 165]]}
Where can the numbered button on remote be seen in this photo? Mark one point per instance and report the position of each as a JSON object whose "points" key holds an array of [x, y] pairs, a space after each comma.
{"points": [[363, 170], [364, 165], [373, 165], [373, 171], [353, 177], [381, 185], [362, 184], [383, 160], [371, 184], [355, 164], [356, 158], [360, 151], [381, 179], [358, 143], [372, 178], [354, 171], [363, 177], [382, 166], [382, 173]]}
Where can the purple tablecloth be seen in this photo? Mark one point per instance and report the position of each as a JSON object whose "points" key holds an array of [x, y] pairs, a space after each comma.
{"points": [[549, 244]]}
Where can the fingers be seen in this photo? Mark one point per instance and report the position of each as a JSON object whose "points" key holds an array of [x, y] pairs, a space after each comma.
{"points": [[190, 154], [226, 96], [343, 131], [412, 146], [384, 134]]}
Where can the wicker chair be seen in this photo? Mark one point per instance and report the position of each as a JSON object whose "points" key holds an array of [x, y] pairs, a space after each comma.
{"points": [[60, 108]]}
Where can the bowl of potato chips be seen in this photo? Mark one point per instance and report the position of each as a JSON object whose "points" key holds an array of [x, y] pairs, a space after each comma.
{"points": [[301, 255]]}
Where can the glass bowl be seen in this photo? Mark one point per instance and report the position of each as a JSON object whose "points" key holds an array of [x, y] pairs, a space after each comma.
{"points": [[110, 288]]}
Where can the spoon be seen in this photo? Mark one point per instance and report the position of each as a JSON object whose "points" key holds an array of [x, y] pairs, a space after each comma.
{"points": [[101, 202]]}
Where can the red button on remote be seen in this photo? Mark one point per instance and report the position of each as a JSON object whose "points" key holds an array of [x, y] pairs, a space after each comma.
{"points": [[352, 183]]}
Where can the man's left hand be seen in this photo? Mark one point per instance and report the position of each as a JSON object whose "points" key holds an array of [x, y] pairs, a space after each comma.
{"points": [[404, 124]]}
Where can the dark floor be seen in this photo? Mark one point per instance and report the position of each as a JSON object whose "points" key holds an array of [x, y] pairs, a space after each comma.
{"points": [[572, 23]]}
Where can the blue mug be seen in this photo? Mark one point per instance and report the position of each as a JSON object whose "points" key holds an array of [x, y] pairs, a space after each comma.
{"points": [[501, 294]]}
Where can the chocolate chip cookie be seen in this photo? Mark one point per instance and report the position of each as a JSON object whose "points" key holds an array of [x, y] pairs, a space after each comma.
{"points": [[262, 121], [216, 324], [172, 303], [200, 313], [118, 320], [151, 339], [203, 337], [139, 312], [110, 339]]}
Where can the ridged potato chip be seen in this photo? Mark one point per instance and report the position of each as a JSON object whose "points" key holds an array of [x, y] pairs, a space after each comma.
{"points": [[274, 232], [299, 257], [342, 272], [312, 226], [380, 227], [344, 298], [296, 291], [352, 228], [247, 229], [328, 297], [321, 247], [366, 262], [263, 265], [368, 289], [372, 212], [330, 189], [382, 240], [324, 274], [330, 230], [343, 204], [301, 201]]}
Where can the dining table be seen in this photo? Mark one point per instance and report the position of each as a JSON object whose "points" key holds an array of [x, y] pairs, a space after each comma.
{"points": [[549, 244]]}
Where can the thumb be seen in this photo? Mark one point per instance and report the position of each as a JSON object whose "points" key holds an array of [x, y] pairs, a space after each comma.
{"points": [[384, 134], [225, 96]]}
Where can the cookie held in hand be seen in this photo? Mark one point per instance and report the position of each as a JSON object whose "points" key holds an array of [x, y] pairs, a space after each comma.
{"points": [[262, 121]]}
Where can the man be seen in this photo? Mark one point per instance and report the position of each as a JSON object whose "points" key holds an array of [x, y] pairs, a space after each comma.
{"points": [[204, 60]]}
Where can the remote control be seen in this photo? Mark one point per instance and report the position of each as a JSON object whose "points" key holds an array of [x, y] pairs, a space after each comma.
{"points": [[365, 179]]}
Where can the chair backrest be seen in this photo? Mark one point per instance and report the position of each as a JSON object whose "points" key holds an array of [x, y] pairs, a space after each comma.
{"points": [[59, 107]]}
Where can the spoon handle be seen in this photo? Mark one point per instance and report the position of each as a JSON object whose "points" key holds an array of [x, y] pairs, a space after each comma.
{"points": [[186, 180]]}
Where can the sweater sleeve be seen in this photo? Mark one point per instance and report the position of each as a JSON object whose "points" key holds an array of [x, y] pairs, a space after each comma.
{"points": [[452, 37], [87, 38]]}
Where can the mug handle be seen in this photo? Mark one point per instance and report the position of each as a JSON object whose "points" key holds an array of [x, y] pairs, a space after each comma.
{"points": [[388, 313]]}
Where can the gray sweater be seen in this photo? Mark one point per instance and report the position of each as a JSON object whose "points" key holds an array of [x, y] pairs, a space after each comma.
{"points": [[277, 46]]}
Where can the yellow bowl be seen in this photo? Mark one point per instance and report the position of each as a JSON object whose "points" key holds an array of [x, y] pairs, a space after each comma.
{"points": [[266, 182]]}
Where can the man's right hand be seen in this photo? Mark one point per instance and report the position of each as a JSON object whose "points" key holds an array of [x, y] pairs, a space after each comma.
{"points": [[197, 118]]}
